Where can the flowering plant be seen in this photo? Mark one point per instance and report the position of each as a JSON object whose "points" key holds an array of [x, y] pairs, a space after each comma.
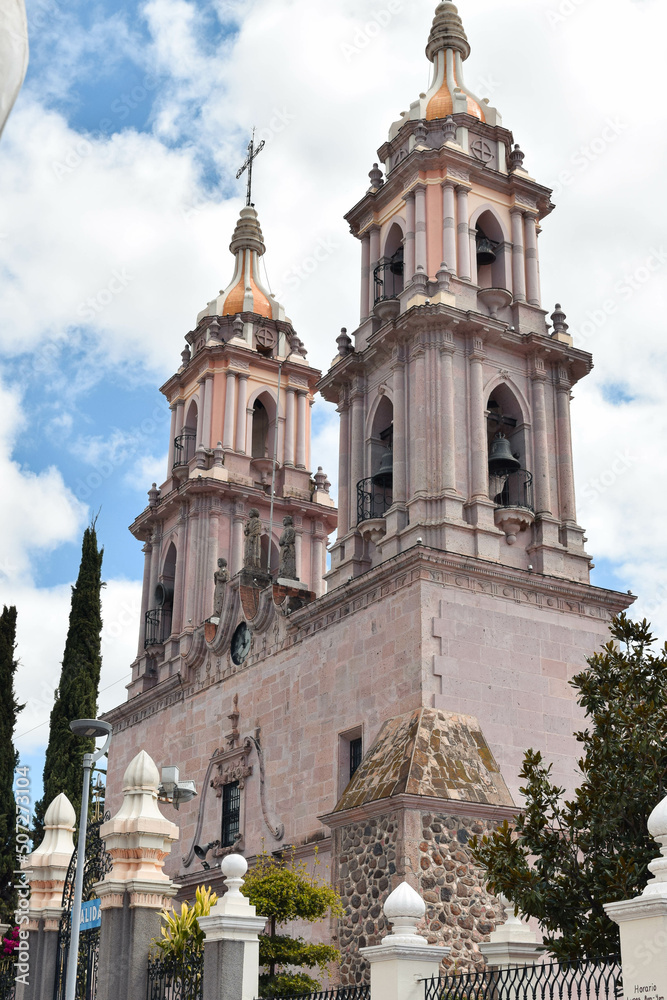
{"points": [[11, 942]]}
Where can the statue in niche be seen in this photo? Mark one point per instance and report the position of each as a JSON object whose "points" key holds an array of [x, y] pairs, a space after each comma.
{"points": [[252, 556], [221, 577], [287, 543]]}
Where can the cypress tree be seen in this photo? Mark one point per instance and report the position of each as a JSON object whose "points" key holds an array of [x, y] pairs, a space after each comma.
{"points": [[9, 709], [76, 697]]}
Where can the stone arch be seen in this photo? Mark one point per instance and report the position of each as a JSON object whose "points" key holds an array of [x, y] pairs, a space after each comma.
{"points": [[262, 438], [486, 219], [508, 413], [380, 434], [189, 432], [393, 276]]}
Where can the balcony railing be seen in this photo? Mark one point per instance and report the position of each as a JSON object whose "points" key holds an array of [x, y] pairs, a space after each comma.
{"points": [[184, 448], [373, 500], [158, 626], [513, 490], [389, 276]]}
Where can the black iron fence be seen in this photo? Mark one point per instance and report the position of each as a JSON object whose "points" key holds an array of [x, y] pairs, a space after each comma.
{"points": [[551, 981], [373, 500], [513, 490], [388, 276], [333, 993], [184, 448], [7, 977], [158, 626], [171, 978]]}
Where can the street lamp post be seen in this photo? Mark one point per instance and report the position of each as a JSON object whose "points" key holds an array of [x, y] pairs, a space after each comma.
{"points": [[95, 729]]}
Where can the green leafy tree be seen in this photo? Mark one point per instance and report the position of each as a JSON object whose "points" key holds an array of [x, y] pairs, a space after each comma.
{"points": [[562, 859], [76, 697], [284, 890], [9, 709]]}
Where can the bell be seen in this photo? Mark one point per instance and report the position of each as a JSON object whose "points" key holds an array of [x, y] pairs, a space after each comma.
{"points": [[385, 475], [501, 459], [486, 253], [396, 263]]}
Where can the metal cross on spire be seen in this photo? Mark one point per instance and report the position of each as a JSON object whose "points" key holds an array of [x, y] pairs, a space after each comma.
{"points": [[252, 153]]}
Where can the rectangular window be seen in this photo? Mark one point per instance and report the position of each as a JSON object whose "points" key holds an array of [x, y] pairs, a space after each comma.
{"points": [[355, 755], [231, 813]]}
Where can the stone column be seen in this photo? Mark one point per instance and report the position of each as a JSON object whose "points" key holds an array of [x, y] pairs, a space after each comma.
{"points": [[568, 511], [301, 428], [478, 438], [344, 467], [181, 562], [145, 595], [643, 923], [242, 383], [472, 236], [421, 259], [230, 409], [290, 411], [512, 943], [365, 271], [417, 448], [180, 417], [172, 438], [409, 266], [463, 233], [400, 444], [317, 561], [404, 959], [356, 444], [201, 414], [231, 946], [532, 263], [45, 870], [208, 411], [541, 471], [449, 226], [448, 457], [155, 565], [138, 838], [518, 262], [237, 541], [298, 554], [375, 257]]}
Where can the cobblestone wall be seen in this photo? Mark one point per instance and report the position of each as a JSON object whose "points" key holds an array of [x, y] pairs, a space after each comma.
{"points": [[374, 856]]}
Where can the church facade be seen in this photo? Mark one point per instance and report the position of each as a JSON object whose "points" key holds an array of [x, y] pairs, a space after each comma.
{"points": [[377, 711]]}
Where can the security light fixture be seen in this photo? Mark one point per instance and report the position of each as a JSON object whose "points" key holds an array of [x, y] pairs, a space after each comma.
{"points": [[174, 790]]}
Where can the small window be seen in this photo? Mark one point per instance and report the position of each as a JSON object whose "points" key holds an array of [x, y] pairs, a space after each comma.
{"points": [[355, 755], [231, 813]]}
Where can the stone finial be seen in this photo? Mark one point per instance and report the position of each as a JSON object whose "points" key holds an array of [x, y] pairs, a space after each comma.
{"points": [[186, 355], [139, 837], [344, 343], [558, 318], [421, 134], [420, 279], [444, 278], [404, 907], [237, 327], [234, 867], [516, 158], [153, 495], [657, 827], [447, 32], [219, 455], [511, 943], [450, 129], [46, 868], [322, 484], [377, 180], [248, 233]]}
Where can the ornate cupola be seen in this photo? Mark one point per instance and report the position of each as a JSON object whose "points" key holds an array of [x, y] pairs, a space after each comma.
{"points": [[454, 391]]}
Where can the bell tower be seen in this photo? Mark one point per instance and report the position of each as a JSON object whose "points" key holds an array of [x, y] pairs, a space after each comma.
{"points": [[239, 442], [454, 390]]}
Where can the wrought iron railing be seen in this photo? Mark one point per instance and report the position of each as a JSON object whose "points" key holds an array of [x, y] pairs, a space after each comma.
{"points": [[158, 626], [7, 977], [388, 275], [171, 978], [513, 490], [373, 500], [184, 448], [551, 981], [362, 992]]}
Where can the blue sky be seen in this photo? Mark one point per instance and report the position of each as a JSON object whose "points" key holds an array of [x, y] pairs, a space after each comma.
{"points": [[118, 198]]}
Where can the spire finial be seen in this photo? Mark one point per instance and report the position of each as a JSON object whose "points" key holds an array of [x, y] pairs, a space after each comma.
{"points": [[447, 32], [252, 154]]}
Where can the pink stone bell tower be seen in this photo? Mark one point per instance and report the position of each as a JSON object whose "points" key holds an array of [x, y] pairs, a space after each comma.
{"points": [[454, 392]]}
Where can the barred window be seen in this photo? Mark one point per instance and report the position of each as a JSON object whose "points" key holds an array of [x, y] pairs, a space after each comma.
{"points": [[355, 755], [231, 813]]}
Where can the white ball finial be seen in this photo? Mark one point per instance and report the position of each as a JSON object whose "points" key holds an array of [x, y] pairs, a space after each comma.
{"points": [[234, 867], [657, 827], [404, 908]]}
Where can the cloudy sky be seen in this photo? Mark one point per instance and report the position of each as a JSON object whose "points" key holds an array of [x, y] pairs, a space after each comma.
{"points": [[118, 198]]}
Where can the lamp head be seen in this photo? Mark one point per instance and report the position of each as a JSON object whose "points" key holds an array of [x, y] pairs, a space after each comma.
{"points": [[92, 728]]}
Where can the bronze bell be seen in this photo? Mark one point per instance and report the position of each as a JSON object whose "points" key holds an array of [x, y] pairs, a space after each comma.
{"points": [[385, 475], [501, 459], [396, 263], [486, 251]]}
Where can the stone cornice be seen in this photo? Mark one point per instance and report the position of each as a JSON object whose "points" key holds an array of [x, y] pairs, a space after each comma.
{"points": [[423, 803]]}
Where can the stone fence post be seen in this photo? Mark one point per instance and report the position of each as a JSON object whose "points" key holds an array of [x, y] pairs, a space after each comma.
{"points": [[46, 870], [512, 943], [231, 947], [133, 893], [404, 958], [643, 924]]}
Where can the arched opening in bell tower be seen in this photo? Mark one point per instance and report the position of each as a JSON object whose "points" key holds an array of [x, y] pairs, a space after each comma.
{"points": [[389, 275], [491, 258], [260, 430], [270, 561], [186, 442], [375, 493], [510, 480]]}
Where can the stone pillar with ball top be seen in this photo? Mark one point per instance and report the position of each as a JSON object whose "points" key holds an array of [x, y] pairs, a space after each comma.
{"points": [[404, 959], [512, 943], [231, 948], [643, 924]]}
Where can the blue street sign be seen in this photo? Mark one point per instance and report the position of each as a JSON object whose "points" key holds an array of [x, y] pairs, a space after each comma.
{"points": [[91, 916]]}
